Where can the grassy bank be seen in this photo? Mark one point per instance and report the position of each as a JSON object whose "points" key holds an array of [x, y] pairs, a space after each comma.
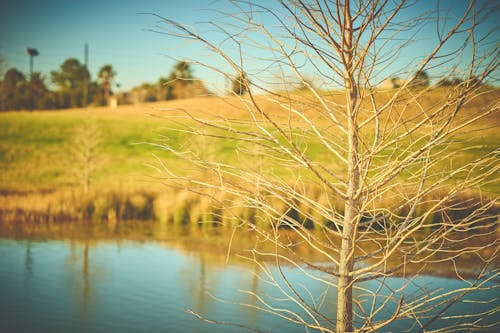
{"points": [[93, 163]]}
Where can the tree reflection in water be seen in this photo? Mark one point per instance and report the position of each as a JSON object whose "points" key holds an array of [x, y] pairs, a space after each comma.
{"points": [[28, 261], [79, 273], [211, 242], [148, 285]]}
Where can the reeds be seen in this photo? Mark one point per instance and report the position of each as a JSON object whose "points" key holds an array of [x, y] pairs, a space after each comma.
{"points": [[74, 205], [190, 212]]}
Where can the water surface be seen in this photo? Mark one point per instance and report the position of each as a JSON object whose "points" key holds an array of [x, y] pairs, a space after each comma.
{"points": [[132, 286], [63, 286]]}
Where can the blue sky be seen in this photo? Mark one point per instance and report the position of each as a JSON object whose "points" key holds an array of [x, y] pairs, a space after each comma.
{"points": [[113, 29], [117, 34]]}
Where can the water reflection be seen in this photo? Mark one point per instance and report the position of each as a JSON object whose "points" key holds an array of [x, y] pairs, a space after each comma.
{"points": [[193, 279], [98, 280], [212, 241], [254, 289], [86, 280], [123, 286], [79, 278], [28, 261]]}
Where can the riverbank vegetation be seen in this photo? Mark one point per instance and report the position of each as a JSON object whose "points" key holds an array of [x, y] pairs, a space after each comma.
{"points": [[98, 163]]}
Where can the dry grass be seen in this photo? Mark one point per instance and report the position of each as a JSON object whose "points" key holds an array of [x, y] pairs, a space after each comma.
{"points": [[40, 171]]}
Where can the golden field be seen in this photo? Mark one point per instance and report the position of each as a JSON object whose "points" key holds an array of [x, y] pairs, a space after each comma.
{"points": [[42, 167]]}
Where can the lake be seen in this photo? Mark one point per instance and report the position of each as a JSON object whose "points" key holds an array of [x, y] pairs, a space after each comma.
{"points": [[120, 285]]}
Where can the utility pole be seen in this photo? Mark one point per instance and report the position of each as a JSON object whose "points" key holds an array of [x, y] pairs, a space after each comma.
{"points": [[85, 79], [32, 53]]}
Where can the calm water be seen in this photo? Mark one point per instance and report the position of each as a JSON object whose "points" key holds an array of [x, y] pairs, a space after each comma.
{"points": [[124, 286]]}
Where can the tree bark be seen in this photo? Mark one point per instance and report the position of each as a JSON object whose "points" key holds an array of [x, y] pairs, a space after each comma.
{"points": [[352, 203], [346, 264]]}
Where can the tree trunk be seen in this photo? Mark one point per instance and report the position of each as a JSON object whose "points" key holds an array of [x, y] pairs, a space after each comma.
{"points": [[352, 203], [344, 289], [346, 264]]}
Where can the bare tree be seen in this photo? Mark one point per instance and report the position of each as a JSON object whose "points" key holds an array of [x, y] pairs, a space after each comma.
{"points": [[84, 150], [378, 184]]}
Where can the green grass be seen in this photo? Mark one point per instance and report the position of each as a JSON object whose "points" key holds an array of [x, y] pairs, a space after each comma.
{"points": [[37, 148]]}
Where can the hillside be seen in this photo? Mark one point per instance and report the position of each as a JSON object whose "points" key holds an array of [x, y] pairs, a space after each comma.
{"points": [[42, 154]]}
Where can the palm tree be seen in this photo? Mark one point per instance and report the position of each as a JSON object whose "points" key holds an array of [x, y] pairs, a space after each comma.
{"points": [[182, 71], [106, 76]]}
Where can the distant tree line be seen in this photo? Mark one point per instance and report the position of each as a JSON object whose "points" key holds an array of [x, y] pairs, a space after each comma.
{"points": [[180, 83], [73, 88], [422, 80]]}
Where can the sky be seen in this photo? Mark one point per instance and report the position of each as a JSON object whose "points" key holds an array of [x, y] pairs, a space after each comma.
{"points": [[117, 33]]}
